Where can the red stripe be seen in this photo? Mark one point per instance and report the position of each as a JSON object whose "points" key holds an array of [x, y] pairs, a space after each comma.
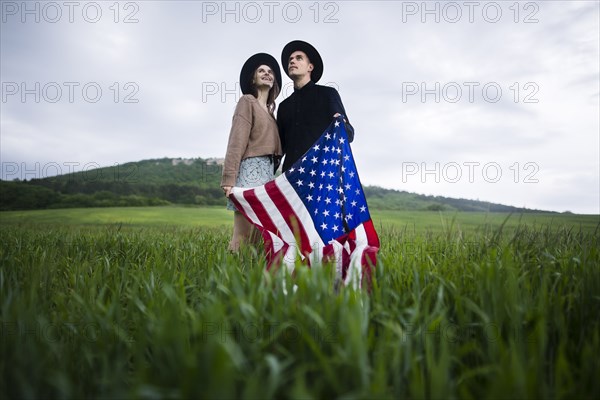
{"points": [[265, 224], [237, 204], [328, 253], [352, 234], [261, 213], [295, 224], [368, 257], [372, 237], [273, 257]]}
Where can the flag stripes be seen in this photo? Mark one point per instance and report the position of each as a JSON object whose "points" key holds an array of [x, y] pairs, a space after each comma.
{"points": [[316, 211]]}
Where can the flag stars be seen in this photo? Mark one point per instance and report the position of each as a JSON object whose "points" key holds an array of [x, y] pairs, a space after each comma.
{"points": [[327, 183]]}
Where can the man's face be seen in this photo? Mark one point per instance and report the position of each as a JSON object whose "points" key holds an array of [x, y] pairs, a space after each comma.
{"points": [[299, 65]]}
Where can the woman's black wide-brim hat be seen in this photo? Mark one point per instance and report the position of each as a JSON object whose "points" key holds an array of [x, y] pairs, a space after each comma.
{"points": [[310, 51], [250, 67]]}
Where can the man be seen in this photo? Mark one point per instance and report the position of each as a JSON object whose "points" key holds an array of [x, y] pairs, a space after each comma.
{"points": [[304, 115]]}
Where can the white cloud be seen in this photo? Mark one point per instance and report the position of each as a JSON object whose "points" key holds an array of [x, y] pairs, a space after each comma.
{"points": [[181, 62]]}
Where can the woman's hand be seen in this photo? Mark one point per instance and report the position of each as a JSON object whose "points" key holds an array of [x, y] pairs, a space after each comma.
{"points": [[226, 190]]}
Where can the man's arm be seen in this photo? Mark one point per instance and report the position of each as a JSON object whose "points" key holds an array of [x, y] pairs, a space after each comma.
{"points": [[336, 106]]}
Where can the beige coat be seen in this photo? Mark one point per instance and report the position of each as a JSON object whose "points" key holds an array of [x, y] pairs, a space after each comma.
{"points": [[253, 133]]}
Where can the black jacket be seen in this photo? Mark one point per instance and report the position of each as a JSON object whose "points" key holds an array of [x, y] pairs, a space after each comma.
{"points": [[304, 116]]}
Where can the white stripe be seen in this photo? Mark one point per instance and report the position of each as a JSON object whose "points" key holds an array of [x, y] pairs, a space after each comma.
{"points": [[285, 232], [361, 235], [301, 211], [277, 242], [338, 250], [238, 193], [289, 260], [279, 221], [354, 273]]}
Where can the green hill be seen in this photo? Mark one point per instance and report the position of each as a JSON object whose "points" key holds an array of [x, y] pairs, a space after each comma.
{"points": [[182, 181]]}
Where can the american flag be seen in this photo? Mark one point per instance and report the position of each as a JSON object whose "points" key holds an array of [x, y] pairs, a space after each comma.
{"points": [[316, 211]]}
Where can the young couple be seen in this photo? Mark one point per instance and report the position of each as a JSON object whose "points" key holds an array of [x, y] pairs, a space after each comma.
{"points": [[258, 140]]}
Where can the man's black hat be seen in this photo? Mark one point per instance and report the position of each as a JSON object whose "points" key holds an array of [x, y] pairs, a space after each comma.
{"points": [[310, 51], [250, 67]]}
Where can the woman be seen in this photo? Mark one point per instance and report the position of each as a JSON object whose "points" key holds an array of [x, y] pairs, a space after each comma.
{"points": [[254, 148]]}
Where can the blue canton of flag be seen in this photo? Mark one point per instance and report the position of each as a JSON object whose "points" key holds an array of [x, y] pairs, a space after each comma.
{"points": [[326, 181]]}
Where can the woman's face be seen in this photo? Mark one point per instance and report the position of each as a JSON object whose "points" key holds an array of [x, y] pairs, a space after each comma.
{"points": [[263, 76]]}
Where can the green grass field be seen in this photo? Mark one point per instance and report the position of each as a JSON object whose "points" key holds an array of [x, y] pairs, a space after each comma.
{"points": [[147, 303], [217, 216]]}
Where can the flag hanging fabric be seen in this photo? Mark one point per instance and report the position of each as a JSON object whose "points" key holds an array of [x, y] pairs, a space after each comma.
{"points": [[316, 211]]}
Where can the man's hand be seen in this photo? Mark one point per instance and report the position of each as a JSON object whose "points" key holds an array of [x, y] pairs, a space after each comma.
{"points": [[226, 190], [337, 115]]}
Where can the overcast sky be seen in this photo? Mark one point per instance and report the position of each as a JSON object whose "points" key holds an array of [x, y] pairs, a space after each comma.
{"points": [[496, 101]]}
